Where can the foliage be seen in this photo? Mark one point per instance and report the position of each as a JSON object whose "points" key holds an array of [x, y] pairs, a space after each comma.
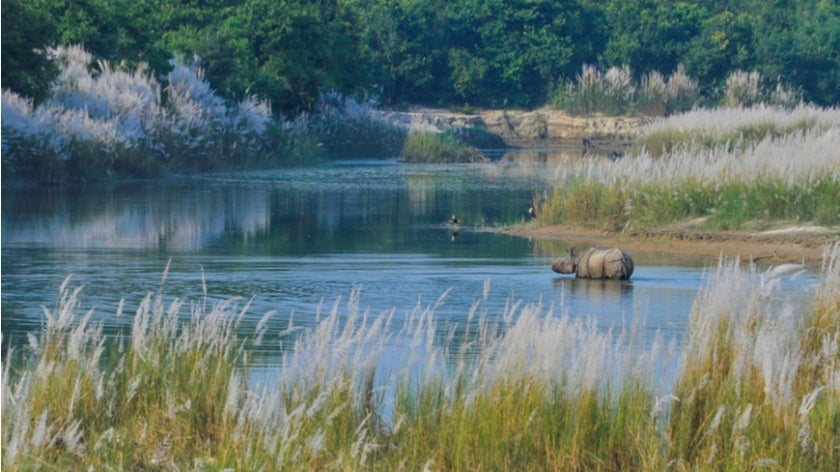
{"points": [[432, 147], [476, 137], [349, 128], [491, 53], [756, 386], [116, 121], [26, 32]]}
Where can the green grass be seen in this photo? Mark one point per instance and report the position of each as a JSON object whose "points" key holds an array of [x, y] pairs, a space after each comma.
{"points": [[734, 168], [425, 147], [756, 387], [728, 206]]}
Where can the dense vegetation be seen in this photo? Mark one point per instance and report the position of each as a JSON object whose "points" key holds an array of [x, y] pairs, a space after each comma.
{"points": [[728, 168], [756, 387], [483, 53]]}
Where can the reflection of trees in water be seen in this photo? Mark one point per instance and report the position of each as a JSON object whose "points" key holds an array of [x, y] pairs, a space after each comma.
{"points": [[422, 192], [555, 156], [134, 218], [295, 214]]}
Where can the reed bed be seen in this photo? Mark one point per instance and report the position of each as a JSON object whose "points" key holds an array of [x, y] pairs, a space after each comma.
{"points": [[730, 167], [429, 147], [757, 385], [617, 92], [103, 121]]}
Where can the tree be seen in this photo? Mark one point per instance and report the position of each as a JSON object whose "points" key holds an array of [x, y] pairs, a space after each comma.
{"points": [[27, 31], [651, 35], [508, 50], [723, 45], [405, 42]]}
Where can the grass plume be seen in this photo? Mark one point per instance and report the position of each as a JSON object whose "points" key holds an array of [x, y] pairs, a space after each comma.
{"points": [[757, 386], [731, 167], [102, 122]]}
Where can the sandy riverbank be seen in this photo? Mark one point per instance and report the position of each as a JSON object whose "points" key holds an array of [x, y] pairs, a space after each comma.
{"points": [[793, 244]]}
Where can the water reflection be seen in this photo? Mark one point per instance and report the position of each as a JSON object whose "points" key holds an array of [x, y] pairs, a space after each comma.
{"points": [[298, 238], [595, 290]]}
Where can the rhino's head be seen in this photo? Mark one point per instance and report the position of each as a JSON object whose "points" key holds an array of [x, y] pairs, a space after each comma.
{"points": [[565, 265]]}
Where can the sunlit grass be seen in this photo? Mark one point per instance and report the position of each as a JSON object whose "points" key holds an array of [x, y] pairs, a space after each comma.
{"points": [[616, 92], [102, 122], [735, 129], [730, 167], [758, 385]]}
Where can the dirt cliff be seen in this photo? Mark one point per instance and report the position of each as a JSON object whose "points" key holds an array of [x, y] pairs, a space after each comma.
{"points": [[541, 127]]}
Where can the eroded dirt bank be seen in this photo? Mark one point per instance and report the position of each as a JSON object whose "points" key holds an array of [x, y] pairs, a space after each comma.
{"points": [[541, 127]]}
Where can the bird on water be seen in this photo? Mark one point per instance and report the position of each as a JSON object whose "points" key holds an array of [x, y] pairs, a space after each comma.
{"points": [[453, 226]]}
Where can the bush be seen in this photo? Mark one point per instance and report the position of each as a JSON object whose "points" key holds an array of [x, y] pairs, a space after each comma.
{"points": [[478, 138], [351, 129], [104, 122], [438, 148]]}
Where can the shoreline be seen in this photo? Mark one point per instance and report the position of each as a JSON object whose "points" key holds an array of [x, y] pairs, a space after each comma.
{"points": [[795, 244], [520, 128]]}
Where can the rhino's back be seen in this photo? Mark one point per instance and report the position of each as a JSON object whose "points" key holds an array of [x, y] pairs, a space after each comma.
{"points": [[605, 264]]}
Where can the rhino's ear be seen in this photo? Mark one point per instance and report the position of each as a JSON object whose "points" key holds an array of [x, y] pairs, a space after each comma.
{"points": [[572, 253]]}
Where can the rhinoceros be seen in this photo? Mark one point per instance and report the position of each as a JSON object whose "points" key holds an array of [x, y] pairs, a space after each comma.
{"points": [[596, 263]]}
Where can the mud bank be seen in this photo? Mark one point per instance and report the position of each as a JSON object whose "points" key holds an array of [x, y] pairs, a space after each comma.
{"points": [[542, 127]]}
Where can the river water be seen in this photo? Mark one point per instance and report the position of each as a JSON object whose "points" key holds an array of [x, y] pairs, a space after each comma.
{"points": [[297, 239]]}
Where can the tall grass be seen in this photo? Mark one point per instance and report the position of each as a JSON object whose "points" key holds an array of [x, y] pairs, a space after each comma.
{"points": [[757, 386], [103, 121], [350, 128], [732, 167], [616, 92], [759, 383], [107, 121], [428, 147], [733, 128]]}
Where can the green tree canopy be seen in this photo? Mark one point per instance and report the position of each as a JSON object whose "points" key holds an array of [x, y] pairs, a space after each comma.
{"points": [[478, 52]]}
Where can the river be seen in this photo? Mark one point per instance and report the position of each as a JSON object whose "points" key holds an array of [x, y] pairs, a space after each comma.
{"points": [[297, 239]]}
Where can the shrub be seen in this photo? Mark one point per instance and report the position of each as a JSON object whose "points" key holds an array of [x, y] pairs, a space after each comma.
{"points": [[476, 137], [438, 147], [104, 122]]}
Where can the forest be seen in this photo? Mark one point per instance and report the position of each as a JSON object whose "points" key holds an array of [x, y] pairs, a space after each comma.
{"points": [[464, 53]]}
